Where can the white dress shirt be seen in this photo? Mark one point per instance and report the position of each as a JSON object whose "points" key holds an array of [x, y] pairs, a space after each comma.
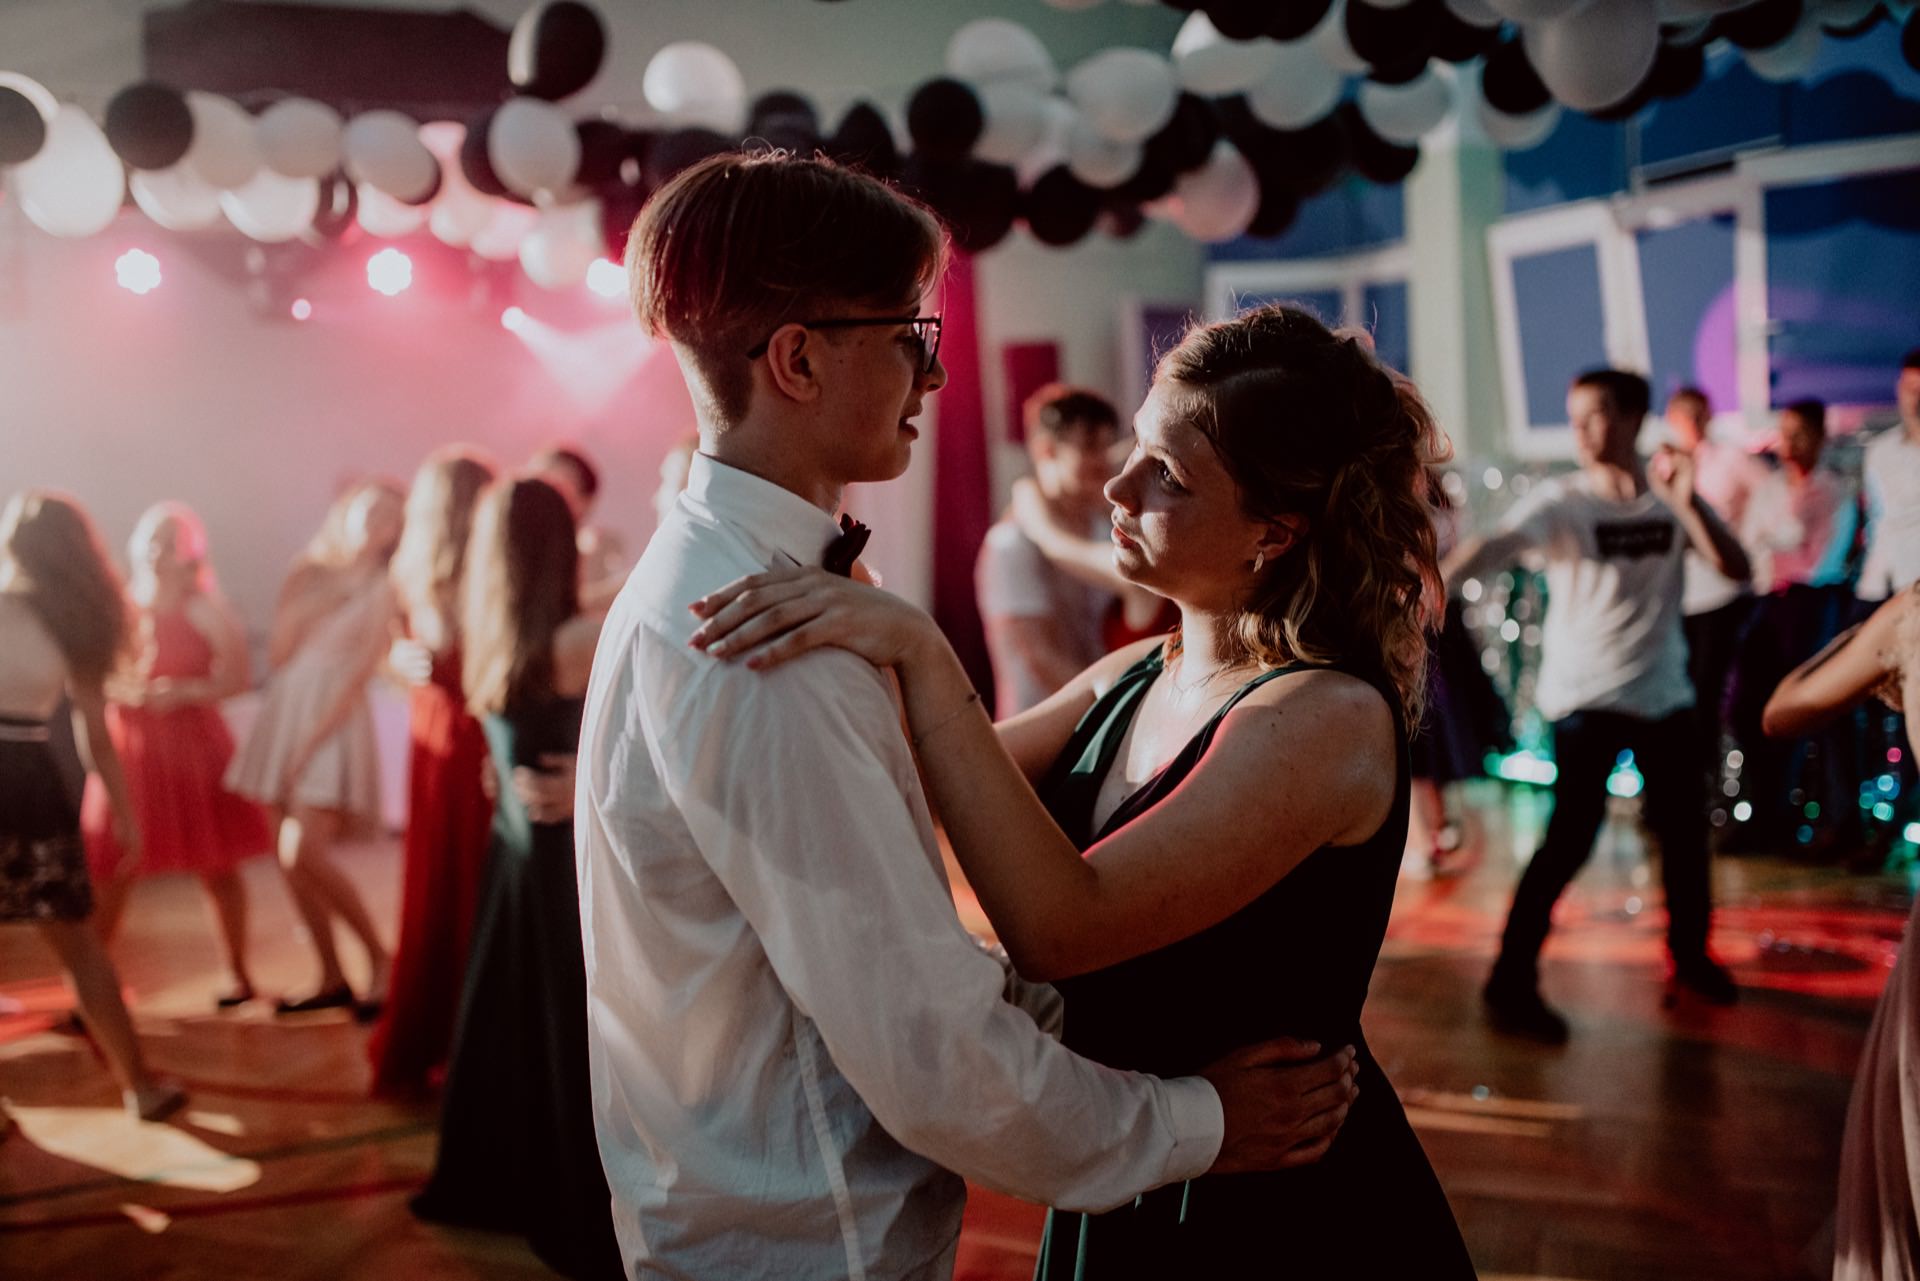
{"points": [[1800, 533], [790, 1032], [1890, 474]]}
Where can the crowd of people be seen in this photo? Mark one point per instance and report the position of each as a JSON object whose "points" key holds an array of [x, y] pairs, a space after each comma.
{"points": [[675, 950]]}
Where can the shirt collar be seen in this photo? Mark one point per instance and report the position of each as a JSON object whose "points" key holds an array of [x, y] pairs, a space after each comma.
{"points": [[777, 517]]}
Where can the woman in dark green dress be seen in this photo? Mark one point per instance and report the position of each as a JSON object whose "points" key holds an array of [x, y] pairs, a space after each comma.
{"points": [[1197, 838], [517, 1151]]}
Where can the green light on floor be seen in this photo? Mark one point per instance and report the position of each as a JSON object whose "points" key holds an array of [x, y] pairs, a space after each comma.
{"points": [[1625, 782], [1522, 767], [1883, 811], [1812, 809], [1912, 833]]}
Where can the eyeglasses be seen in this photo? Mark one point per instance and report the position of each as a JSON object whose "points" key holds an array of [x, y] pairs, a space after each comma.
{"points": [[926, 333]]}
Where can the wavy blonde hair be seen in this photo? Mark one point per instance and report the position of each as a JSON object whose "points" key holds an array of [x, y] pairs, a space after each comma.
{"points": [[67, 579], [1309, 423]]}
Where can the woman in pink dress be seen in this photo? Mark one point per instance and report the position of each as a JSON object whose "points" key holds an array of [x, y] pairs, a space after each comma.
{"points": [[449, 816], [189, 655], [1877, 1217]]}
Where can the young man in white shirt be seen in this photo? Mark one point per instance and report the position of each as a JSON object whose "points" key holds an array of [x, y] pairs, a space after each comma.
{"points": [[1714, 608], [1042, 623], [1613, 677], [1890, 476], [796, 1049]]}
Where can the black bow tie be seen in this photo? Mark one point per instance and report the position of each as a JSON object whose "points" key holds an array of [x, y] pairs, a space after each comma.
{"points": [[846, 548]]}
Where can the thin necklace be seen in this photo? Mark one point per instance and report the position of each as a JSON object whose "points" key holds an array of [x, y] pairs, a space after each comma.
{"points": [[1198, 684]]}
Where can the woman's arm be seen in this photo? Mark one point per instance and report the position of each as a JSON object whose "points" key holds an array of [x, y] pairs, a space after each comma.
{"points": [[1839, 677], [373, 652], [1300, 764], [306, 597], [1088, 559], [98, 754]]}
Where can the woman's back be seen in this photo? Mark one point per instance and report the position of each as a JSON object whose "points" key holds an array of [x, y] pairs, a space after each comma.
{"points": [[33, 671]]}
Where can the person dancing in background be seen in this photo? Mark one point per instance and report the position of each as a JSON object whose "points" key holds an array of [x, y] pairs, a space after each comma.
{"points": [[1223, 809], [311, 755], [63, 629], [448, 810], [517, 1148], [1613, 677], [603, 555], [174, 746], [1877, 1216]]}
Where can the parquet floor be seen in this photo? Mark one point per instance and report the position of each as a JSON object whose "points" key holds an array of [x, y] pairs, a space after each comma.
{"points": [[1694, 1143]]}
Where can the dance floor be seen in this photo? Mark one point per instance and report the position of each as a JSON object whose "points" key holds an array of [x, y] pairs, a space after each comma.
{"points": [[1692, 1143]]}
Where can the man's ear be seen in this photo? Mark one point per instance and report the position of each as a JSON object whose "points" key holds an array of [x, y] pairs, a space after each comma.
{"points": [[790, 364]]}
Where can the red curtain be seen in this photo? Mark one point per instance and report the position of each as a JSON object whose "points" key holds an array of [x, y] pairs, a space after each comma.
{"points": [[962, 480]]}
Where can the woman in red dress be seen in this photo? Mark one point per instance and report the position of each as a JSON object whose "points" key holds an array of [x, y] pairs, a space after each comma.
{"points": [[448, 812], [189, 655]]}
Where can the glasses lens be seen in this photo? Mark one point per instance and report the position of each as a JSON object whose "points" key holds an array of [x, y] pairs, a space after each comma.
{"points": [[927, 332]]}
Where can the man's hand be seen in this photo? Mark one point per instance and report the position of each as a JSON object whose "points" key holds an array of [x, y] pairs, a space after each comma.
{"points": [[1283, 1104]]}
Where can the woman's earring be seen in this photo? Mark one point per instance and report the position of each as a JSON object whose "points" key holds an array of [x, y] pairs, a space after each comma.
{"points": [[1259, 561]]}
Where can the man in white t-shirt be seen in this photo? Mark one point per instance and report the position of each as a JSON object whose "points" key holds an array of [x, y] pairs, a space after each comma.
{"points": [[1042, 623], [1613, 677], [1715, 608], [1891, 478]]}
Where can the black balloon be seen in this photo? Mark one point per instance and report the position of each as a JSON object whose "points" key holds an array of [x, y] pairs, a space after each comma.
{"points": [[1239, 19], [784, 105], [475, 165], [555, 49], [1508, 81], [1303, 161], [149, 125], [944, 119], [1373, 157], [1677, 70], [1910, 40], [1153, 179], [1059, 208], [681, 149], [1394, 42], [333, 217], [1183, 144], [1760, 25], [22, 131], [639, 144], [1456, 41], [977, 201], [1278, 207], [619, 206], [865, 141], [1292, 19], [603, 149], [1121, 220]]}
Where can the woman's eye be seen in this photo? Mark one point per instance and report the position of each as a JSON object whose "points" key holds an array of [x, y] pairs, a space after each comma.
{"points": [[1167, 478]]}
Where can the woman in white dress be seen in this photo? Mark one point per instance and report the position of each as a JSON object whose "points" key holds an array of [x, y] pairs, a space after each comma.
{"points": [[311, 755]]}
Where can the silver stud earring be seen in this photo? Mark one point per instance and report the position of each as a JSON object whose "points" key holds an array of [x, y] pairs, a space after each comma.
{"points": [[1259, 561]]}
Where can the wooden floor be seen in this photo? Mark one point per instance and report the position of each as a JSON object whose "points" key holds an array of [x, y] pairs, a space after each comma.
{"points": [[1693, 1143]]}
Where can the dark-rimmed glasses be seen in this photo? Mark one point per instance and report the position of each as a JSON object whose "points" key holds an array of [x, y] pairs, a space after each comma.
{"points": [[926, 332]]}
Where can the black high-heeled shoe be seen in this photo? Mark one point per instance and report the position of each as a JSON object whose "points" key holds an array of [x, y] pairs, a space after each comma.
{"points": [[327, 998]]}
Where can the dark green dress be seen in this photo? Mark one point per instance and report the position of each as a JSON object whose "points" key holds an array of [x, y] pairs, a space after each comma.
{"points": [[517, 1152], [1294, 962]]}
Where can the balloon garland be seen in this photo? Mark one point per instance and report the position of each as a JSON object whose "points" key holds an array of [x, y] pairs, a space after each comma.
{"points": [[1259, 106]]}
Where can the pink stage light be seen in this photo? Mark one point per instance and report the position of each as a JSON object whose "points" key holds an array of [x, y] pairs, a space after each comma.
{"points": [[389, 272], [607, 278], [137, 271], [513, 320], [301, 309]]}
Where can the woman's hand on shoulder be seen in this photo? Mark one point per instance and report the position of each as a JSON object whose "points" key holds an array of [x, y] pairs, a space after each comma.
{"points": [[772, 618]]}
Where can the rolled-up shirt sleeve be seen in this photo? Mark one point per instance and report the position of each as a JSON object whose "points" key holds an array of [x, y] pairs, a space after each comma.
{"points": [[799, 789]]}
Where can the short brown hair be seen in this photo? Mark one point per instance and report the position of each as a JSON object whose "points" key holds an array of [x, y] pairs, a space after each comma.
{"points": [[1058, 408], [1630, 393], [1694, 399], [738, 245]]}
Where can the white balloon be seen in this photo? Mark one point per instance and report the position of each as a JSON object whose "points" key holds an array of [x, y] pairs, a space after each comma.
{"points": [[1475, 13], [532, 147], [1100, 161], [459, 212], [696, 84], [299, 137], [1404, 113], [1329, 40], [508, 224], [1791, 58], [1299, 90], [1126, 94], [383, 150], [1015, 121], [1209, 63], [1062, 120], [562, 245], [1597, 56], [73, 186], [223, 151], [1517, 133], [385, 217], [1216, 201], [1525, 11], [994, 50], [177, 198], [272, 207], [42, 97]]}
